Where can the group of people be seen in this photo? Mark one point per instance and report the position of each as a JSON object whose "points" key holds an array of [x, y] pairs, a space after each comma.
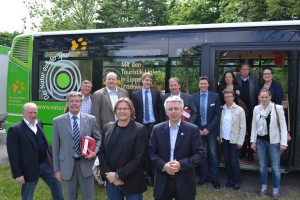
{"points": [[154, 139]]}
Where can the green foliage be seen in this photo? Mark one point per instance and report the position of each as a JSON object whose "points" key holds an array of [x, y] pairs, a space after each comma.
{"points": [[258, 10], [193, 11], [6, 38], [131, 13]]}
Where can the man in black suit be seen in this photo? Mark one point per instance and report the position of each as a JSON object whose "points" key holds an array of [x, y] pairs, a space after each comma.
{"points": [[29, 155], [148, 110], [249, 94], [209, 111], [174, 86], [175, 149]]}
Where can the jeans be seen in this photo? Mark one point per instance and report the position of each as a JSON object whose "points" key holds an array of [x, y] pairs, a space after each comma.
{"points": [[48, 175], [115, 193], [211, 170], [266, 152], [231, 156]]}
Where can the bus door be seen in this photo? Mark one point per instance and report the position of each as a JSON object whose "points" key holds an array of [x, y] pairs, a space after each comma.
{"points": [[285, 65]]}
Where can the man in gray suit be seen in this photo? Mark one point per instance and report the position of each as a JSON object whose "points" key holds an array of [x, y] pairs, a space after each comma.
{"points": [[104, 100], [174, 86], [249, 94], [69, 165]]}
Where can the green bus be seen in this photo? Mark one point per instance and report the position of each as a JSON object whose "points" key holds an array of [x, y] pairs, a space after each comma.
{"points": [[44, 67]]}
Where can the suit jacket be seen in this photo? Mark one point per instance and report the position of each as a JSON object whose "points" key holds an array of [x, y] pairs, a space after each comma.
{"points": [[23, 152], [276, 91], [62, 144], [137, 100], [188, 150], [102, 107], [253, 88], [130, 158], [213, 111], [188, 102]]}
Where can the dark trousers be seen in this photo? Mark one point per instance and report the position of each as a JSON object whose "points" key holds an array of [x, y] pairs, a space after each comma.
{"points": [[170, 190], [231, 157], [149, 175], [246, 148]]}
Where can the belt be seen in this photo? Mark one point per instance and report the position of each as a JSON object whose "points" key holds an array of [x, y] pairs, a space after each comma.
{"points": [[173, 177], [149, 124], [77, 158]]}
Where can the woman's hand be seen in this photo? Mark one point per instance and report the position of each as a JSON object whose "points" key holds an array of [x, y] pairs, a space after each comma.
{"points": [[282, 148], [253, 146], [237, 92]]}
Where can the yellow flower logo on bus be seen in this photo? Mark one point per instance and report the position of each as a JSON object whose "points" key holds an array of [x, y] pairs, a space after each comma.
{"points": [[18, 87], [79, 45]]}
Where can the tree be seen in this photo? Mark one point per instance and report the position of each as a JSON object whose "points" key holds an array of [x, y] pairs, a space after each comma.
{"points": [[6, 38], [131, 13], [63, 14], [193, 11], [258, 10]]}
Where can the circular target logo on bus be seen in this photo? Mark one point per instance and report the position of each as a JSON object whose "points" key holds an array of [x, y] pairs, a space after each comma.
{"points": [[62, 77]]}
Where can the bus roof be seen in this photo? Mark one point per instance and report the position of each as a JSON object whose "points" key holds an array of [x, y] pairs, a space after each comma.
{"points": [[177, 27]]}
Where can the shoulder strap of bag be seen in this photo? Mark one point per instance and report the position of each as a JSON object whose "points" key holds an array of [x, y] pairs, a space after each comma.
{"points": [[108, 133], [277, 119]]}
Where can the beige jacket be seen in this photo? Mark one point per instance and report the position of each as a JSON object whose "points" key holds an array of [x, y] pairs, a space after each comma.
{"points": [[275, 136], [238, 127]]}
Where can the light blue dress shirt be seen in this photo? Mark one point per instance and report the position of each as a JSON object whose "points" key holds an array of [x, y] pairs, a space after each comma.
{"points": [[173, 137]]}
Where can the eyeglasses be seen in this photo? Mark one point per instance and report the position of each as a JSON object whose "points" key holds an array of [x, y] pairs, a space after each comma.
{"points": [[122, 109], [227, 97], [74, 101], [176, 109]]}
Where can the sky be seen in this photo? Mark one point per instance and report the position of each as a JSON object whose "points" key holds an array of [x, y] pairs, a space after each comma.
{"points": [[12, 12]]}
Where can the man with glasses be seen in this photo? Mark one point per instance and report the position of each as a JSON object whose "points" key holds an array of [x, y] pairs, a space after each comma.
{"points": [[70, 166], [209, 110], [249, 94], [175, 149]]}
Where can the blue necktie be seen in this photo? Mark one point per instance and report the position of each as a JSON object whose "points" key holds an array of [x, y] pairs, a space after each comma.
{"points": [[76, 137], [202, 107], [147, 113]]}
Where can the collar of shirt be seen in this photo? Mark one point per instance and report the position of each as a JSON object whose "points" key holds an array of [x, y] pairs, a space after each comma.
{"points": [[233, 106], [78, 116], [109, 91], [178, 124], [206, 93], [175, 95], [244, 79], [86, 98], [29, 124], [144, 89]]}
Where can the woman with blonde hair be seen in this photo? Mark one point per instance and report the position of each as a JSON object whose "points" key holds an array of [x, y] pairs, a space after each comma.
{"points": [[268, 139]]}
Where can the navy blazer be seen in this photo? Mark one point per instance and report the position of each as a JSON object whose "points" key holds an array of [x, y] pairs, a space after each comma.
{"points": [[188, 150], [213, 111], [23, 153], [137, 100], [276, 91], [188, 102]]}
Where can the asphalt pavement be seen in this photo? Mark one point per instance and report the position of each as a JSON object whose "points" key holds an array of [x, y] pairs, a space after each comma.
{"points": [[290, 186]]}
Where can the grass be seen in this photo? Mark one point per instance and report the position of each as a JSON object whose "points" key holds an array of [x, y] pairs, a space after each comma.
{"points": [[9, 190]]}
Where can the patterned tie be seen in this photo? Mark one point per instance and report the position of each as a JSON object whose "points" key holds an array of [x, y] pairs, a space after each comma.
{"points": [[202, 107], [76, 137], [147, 114]]}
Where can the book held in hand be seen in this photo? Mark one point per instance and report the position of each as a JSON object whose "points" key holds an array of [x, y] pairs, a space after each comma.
{"points": [[87, 142]]}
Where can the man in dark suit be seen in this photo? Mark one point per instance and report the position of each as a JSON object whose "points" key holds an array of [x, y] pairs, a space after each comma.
{"points": [[174, 86], [175, 149], [209, 112], [249, 94], [29, 155], [148, 111], [70, 166]]}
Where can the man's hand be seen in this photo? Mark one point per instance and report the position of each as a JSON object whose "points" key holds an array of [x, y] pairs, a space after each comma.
{"points": [[175, 164], [172, 167], [20, 180], [204, 132], [91, 155], [111, 177], [58, 176]]}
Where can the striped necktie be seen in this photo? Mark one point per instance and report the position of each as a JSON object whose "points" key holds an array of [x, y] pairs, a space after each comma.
{"points": [[202, 107], [76, 137], [147, 113]]}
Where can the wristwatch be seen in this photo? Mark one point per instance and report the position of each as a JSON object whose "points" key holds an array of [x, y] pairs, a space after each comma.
{"points": [[117, 175]]}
